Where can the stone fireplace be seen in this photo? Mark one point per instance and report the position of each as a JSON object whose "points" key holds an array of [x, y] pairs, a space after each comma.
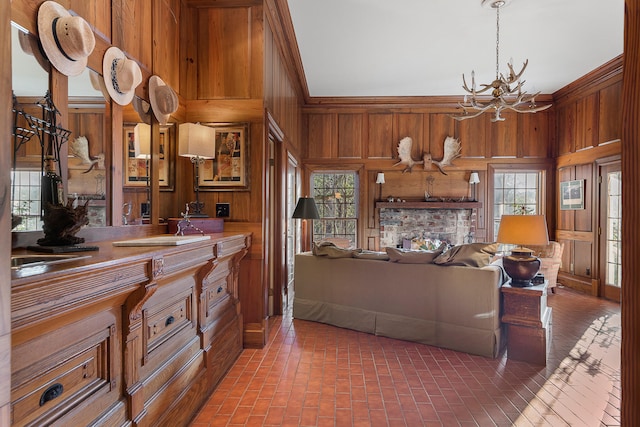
{"points": [[451, 222]]}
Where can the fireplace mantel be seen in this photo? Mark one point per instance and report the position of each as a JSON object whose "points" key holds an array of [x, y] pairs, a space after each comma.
{"points": [[428, 205]]}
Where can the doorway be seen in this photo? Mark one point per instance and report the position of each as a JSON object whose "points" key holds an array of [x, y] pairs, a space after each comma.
{"points": [[610, 228]]}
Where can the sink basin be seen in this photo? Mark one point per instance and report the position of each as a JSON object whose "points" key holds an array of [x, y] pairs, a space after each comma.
{"points": [[32, 260]]}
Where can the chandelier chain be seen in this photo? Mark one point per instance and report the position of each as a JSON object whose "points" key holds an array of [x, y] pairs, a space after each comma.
{"points": [[497, 41]]}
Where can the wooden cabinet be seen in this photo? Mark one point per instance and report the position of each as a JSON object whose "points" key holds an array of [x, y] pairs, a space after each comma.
{"points": [[528, 320], [128, 335]]}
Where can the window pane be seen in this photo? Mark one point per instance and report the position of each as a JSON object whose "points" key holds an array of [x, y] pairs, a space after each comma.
{"points": [[336, 195]]}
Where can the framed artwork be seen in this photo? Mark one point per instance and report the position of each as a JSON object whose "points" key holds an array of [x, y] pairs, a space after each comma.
{"points": [[229, 169], [572, 195], [137, 161]]}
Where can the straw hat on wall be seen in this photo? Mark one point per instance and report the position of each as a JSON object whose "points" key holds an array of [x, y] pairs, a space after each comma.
{"points": [[164, 101], [66, 40], [121, 75]]}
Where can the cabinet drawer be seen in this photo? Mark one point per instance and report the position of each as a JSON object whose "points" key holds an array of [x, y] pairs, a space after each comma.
{"points": [[161, 323], [215, 293], [57, 384]]}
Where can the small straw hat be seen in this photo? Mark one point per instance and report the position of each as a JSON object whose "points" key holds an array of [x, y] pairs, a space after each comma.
{"points": [[121, 75], [66, 40], [30, 45], [164, 101]]}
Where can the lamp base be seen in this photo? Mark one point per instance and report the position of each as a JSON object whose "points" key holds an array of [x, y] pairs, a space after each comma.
{"points": [[521, 266]]}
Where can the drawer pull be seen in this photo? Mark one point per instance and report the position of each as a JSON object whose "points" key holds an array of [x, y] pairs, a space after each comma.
{"points": [[219, 289], [51, 393], [169, 321]]}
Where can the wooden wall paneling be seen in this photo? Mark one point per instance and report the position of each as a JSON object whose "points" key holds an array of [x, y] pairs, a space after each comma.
{"points": [[587, 122], [97, 13], [411, 124], [533, 139], [584, 217], [473, 134], [610, 113], [132, 24], [349, 139], [565, 217], [566, 127], [320, 144], [441, 126], [224, 53], [380, 143], [582, 259], [502, 140], [255, 73], [189, 43], [166, 41]]}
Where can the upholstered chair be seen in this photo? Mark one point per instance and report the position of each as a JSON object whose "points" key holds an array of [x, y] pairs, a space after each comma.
{"points": [[551, 260]]}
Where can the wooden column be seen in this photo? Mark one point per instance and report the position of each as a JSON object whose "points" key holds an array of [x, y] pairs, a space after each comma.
{"points": [[6, 142], [630, 296]]}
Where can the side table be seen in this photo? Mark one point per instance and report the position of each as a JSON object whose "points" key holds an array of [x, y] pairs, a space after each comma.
{"points": [[528, 321]]}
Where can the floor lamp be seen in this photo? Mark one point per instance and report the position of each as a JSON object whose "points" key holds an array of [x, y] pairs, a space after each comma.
{"points": [[305, 209], [198, 143]]}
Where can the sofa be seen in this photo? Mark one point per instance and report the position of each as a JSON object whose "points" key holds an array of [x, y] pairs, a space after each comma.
{"points": [[451, 306]]}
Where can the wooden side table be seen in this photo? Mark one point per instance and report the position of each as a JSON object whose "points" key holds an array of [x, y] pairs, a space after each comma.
{"points": [[528, 321]]}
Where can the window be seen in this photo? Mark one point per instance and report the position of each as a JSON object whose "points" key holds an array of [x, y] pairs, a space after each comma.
{"points": [[515, 193], [336, 196], [25, 186], [614, 226]]}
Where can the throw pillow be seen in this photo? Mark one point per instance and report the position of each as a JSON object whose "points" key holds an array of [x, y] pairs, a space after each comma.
{"points": [[332, 251], [470, 255], [413, 257], [382, 256]]}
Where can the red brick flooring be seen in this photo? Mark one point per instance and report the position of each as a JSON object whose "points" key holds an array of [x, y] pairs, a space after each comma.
{"points": [[312, 374]]}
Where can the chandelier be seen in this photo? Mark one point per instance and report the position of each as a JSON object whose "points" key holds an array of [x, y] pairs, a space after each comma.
{"points": [[506, 91]]}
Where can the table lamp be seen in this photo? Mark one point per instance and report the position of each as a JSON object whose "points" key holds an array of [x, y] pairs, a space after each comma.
{"points": [[521, 265], [305, 209], [380, 181], [474, 179], [142, 147], [198, 143]]}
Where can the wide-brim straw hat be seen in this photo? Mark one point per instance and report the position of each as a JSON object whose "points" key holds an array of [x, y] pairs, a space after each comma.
{"points": [[121, 75], [164, 101], [30, 45], [67, 40], [97, 82]]}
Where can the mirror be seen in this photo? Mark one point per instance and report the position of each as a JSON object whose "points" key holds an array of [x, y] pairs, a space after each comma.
{"points": [[85, 166]]}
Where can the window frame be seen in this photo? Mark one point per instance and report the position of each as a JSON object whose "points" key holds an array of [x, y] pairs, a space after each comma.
{"points": [[544, 205], [358, 193]]}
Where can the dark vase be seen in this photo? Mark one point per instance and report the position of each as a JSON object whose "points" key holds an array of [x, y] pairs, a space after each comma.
{"points": [[521, 266]]}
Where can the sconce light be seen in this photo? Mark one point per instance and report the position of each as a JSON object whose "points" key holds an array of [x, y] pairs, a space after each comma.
{"points": [[380, 181], [521, 265], [474, 179], [142, 147], [305, 209], [198, 143]]}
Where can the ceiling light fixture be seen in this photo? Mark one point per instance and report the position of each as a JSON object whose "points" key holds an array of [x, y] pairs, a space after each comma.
{"points": [[506, 91]]}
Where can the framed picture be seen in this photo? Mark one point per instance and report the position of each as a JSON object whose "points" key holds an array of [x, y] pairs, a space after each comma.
{"points": [[572, 195], [229, 169], [137, 158]]}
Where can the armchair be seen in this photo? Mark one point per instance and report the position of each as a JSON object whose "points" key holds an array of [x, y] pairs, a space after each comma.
{"points": [[551, 260]]}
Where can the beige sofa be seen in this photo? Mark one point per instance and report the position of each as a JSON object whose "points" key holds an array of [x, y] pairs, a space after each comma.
{"points": [[452, 306]]}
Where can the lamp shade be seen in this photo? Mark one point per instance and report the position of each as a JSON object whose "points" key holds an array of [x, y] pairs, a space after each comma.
{"points": [[380, 178], [142, 143], [474, 178], [196, 141], [306, 209], [523, 230]]}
